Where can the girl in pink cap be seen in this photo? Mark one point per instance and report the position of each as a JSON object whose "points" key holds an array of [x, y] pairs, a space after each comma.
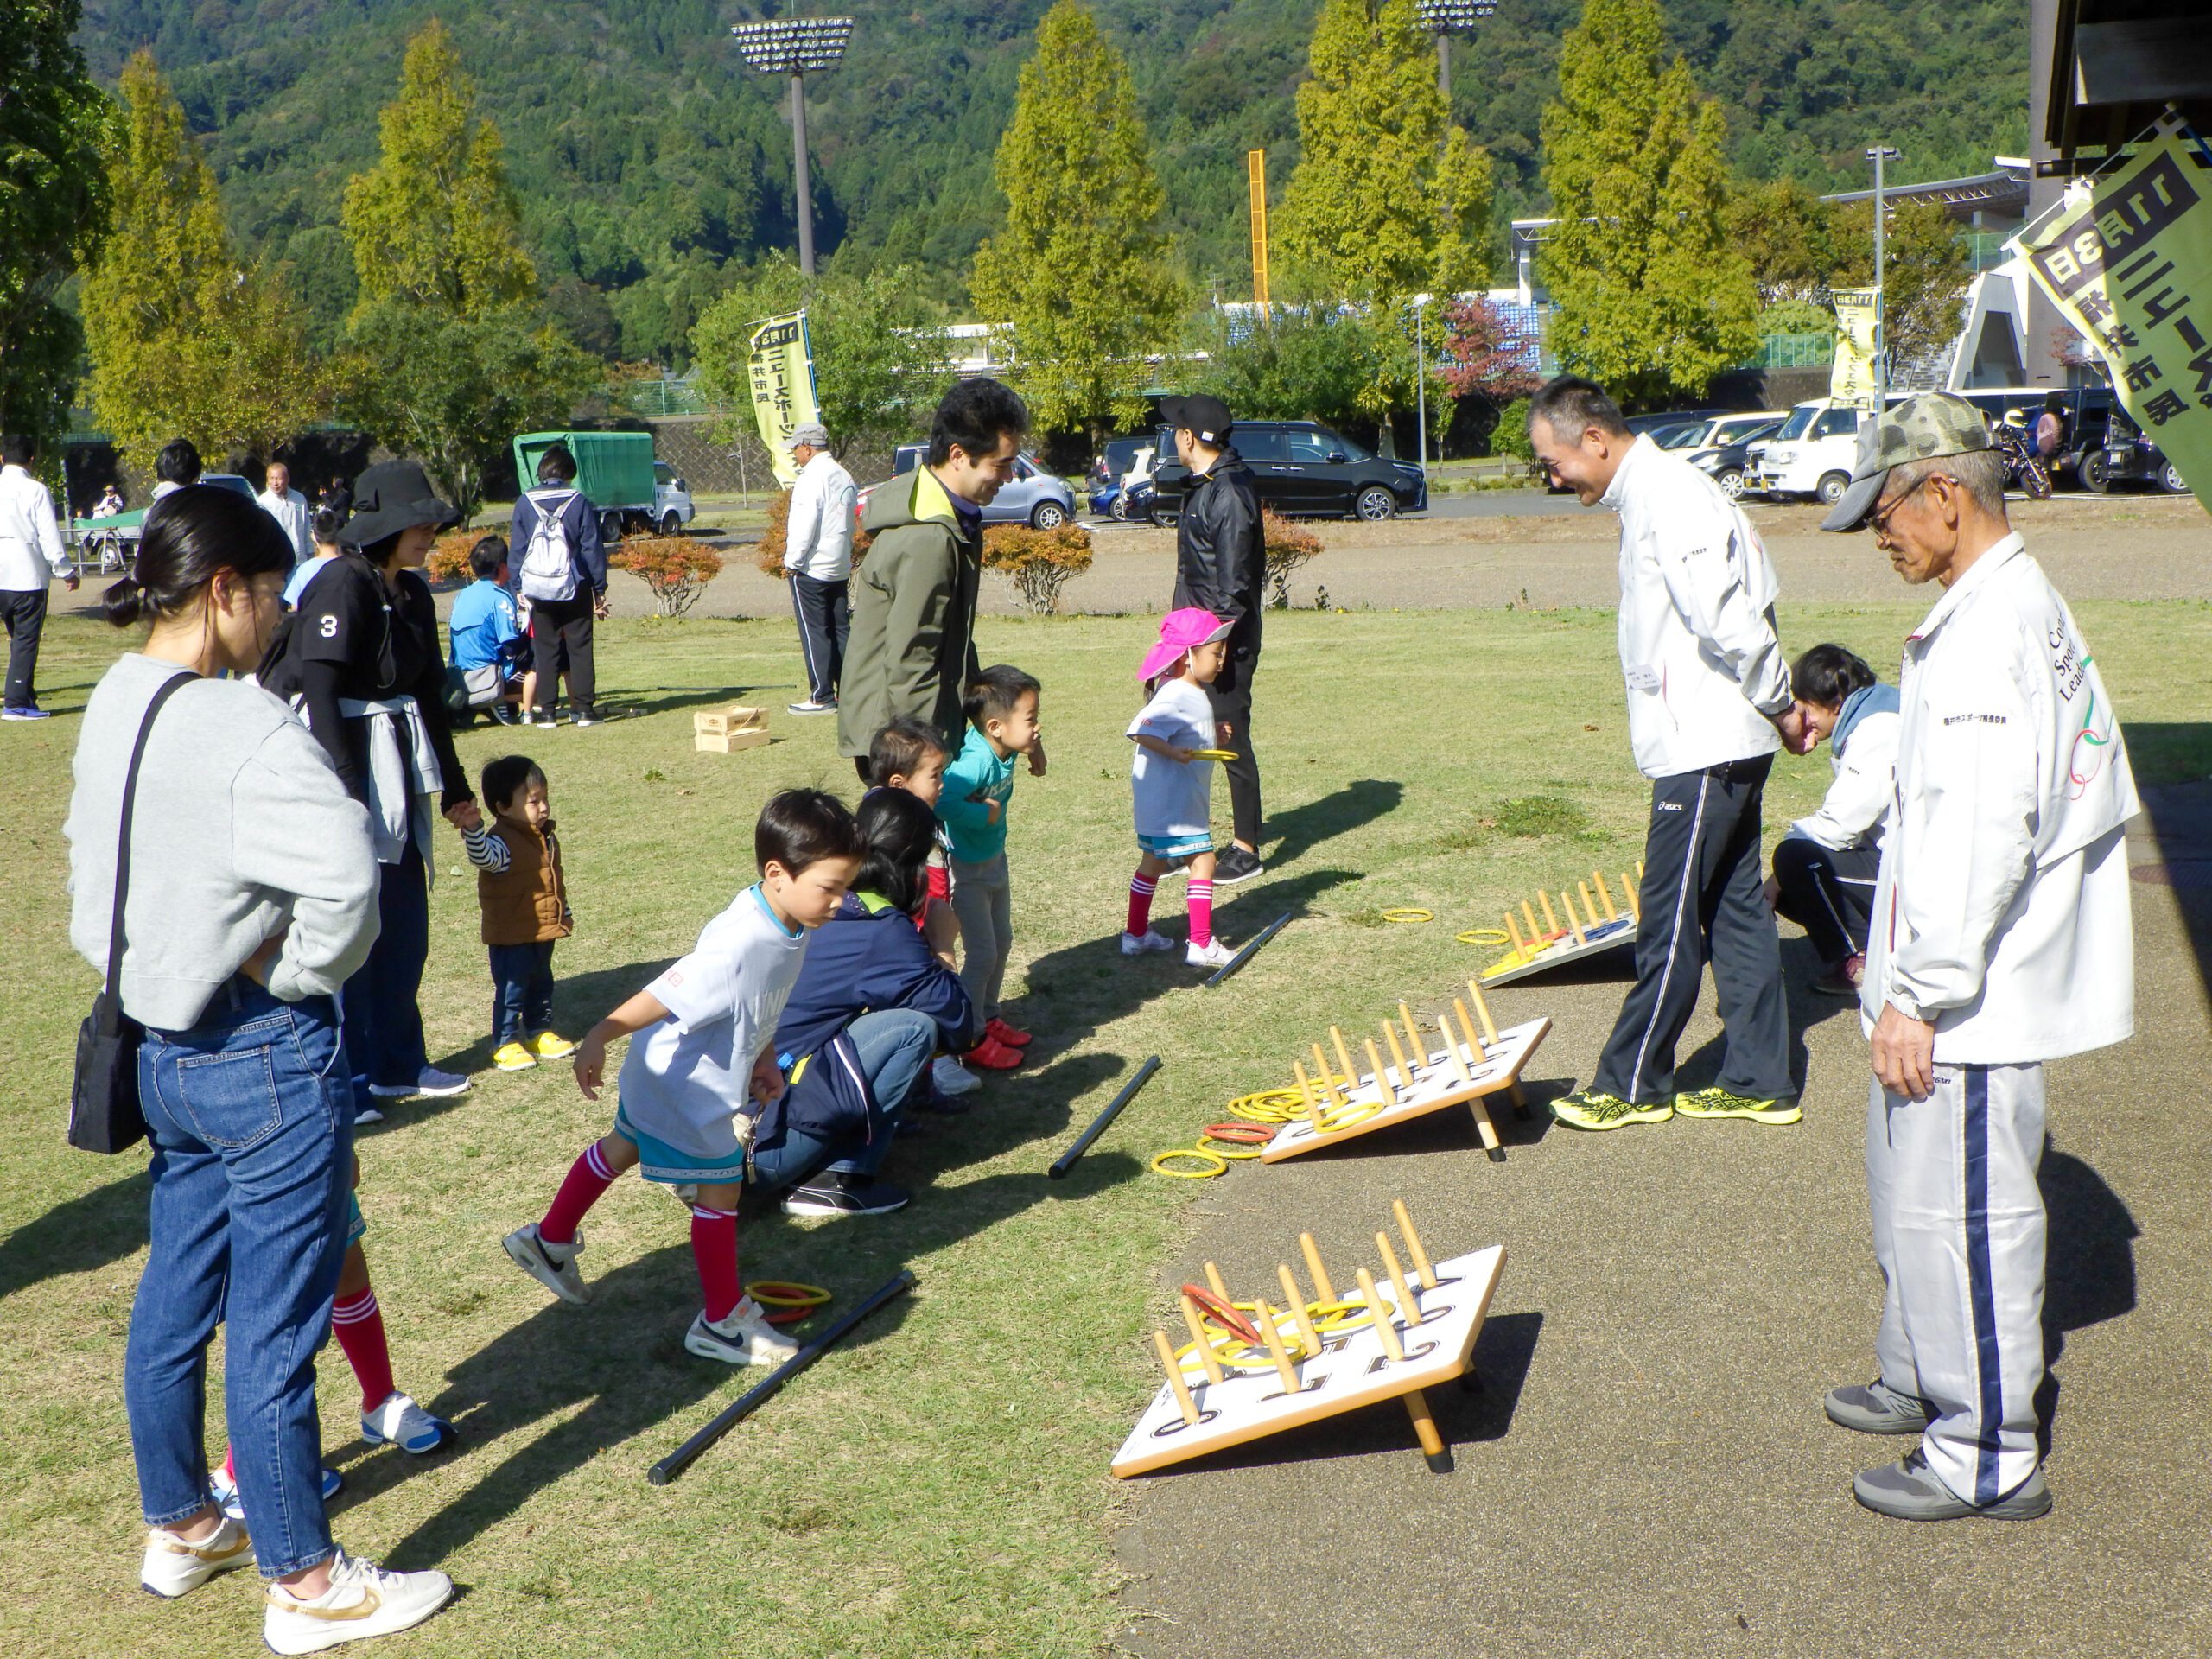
{"points": [[1174, 788]]}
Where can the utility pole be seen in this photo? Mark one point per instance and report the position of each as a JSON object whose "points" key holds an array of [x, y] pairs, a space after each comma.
{"points": [[792, 46], [1878, 154], [1421, 380]]}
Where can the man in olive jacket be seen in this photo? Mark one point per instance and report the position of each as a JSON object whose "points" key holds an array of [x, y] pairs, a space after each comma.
{"points": [[911, 649], [1221, 561]]}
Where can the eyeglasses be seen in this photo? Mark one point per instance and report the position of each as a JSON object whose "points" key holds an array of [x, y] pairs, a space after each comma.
{"points": [[1879, 522]]}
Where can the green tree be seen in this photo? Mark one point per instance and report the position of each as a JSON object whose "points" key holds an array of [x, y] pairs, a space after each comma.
{"points": [[1924, 279], [1339, 363], [434, 222], [184, 342], [880, 359], [1790, 237], [1079, 276], [1390, 199], [53, 209], [1653, 296]]}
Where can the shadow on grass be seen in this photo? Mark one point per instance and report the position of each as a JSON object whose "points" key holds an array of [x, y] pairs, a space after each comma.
{"points": [[87, 1232], [666, 699], [2089, 1265], [1303, 827]]}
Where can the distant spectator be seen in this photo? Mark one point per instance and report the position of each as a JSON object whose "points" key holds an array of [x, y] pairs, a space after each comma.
{"points": [[31, 555], [175, 467], [818, 558], [563, 573], [111, 501], [484, 634], [322, 532], [289, 508]]}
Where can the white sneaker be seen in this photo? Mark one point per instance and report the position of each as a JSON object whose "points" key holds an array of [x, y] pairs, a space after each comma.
{"points": [[405, 1424], [174, 1565], [745, 1338], [1136, 945], [362, 1601], [1212, 954], [553, 1266], [953, 1078]]}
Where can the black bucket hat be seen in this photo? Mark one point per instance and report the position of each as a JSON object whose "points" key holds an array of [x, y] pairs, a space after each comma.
{"points": [[389, 497]]}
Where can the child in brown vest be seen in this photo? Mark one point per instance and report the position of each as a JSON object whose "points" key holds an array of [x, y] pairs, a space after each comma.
{"points": [[525, 900]]}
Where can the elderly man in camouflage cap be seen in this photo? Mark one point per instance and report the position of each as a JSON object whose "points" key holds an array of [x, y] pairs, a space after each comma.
{"points": [[2000, 939]]}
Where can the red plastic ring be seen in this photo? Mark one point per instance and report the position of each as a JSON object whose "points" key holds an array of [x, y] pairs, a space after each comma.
{"points": [[1212, 1307], [1251, 1134]]}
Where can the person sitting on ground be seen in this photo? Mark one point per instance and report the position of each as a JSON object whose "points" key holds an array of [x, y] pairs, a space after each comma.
{"points": [[484, 634], [700, 1070], [1002, 709], [1173, 786], [564, 575], [524, 899], [176, 467], [870, 1005], [1825, 865]]}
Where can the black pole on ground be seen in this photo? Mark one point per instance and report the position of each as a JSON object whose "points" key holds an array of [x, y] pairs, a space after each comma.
{"points": [[1065, 1161], [754, 1397], [1242, 957]]}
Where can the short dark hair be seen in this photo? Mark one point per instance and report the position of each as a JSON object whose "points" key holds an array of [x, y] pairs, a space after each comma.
{"points": [[326, 524], [994, 690], [801, 827], [178, 463], [16, 450], [898, 748], [1828, 674], [897, 834], [976, 415], [487, 556], [190, 536], [1570, 405], [507, 777], [557, 462]]}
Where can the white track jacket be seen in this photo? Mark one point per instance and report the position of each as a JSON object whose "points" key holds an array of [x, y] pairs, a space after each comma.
{"points": [[818, 534], [1697, 640], [2001, 913]]}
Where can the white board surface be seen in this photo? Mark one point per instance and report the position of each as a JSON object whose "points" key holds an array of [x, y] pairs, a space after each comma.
{"points": [[1436, 1084], [1596, 940]]}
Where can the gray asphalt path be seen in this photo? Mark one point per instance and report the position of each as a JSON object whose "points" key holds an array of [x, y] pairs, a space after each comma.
{"points": [[1646, 1471]]}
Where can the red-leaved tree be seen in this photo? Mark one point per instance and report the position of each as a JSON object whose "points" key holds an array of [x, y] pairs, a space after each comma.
{"points": [[1491, 354]]}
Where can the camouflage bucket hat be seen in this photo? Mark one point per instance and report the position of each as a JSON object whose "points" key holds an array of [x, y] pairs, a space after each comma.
{"points": [[1922, 427]]}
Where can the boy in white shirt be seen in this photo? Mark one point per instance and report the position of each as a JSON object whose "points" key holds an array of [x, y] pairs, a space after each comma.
{"points": [[701, 1068], [1173, 787]]}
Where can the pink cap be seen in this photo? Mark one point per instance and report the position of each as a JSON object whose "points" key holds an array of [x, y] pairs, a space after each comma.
{"points": [[1178, 632]]}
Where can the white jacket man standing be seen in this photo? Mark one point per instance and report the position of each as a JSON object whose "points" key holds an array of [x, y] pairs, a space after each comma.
{"points": [[31, 557], [289, 508], [2001, 939], [818, 560], [1708, 705]]}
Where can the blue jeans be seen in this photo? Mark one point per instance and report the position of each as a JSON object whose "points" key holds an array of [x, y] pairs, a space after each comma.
{"points": [[383, 1028], [894, 1044], [251, 1114], [522, 990]]}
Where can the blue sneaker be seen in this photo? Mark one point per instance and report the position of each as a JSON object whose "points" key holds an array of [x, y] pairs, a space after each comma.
{"points": [[24, 713], [429, 1081], [225, 1491], [399, 1421]]}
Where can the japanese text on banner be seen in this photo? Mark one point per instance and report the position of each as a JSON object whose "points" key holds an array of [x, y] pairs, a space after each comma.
{"points": [[1858, 338], [782, 369]]}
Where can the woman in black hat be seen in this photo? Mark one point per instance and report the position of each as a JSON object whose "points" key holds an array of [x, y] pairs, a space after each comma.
{"points": [[360, 658]]}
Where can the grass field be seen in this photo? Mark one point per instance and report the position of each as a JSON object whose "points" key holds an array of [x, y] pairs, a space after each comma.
{"points": [[938, 1486]]}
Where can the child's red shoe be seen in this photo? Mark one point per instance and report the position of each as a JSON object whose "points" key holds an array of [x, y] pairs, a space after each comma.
{"points": [[998, 1056], [1006, 1033]]}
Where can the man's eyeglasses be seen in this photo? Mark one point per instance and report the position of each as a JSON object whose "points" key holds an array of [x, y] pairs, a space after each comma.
{"points": [[1879, 522]]}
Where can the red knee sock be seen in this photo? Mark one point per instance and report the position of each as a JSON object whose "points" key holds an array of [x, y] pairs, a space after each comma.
{"points": [[713, 1247], [587, 1178], [1140, 886], [358, 1323], [1201, 893]]}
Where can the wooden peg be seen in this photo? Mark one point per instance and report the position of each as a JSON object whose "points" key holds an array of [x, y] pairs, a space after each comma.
{"points": [[1551, 922], [1213, 1281], [1639, 870], [1175, 1379], [1513, 929], [1206, 1359], [1265, 1316], [1305, 1088], [1606, 893], [1589, 905], [1486, 1129], [1536, 940], [1344, 1059], [1327, 1079], [1412, 1244], [1415, 1044], [1407, 1303], [1452, 1049], [1467, 1031], [1398, 1054], [1383, 1327], [1323, 1290], [1482, 1008], [1384, 1091], [1573, 926], [1438, 1454], [1296, 1303], [1635, 910]]}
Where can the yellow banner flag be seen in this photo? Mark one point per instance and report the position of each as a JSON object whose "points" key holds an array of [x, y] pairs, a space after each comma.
{"points": [[2127, 260], [1858, 341], [782, 368]]}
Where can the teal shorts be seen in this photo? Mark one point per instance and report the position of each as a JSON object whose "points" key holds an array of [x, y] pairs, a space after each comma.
{"points": [[356, 1227], [1176, 848], [658, 1161]]}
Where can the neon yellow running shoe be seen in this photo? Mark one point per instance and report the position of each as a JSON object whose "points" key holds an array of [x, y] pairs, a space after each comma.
{"points": [[513, 1057], [1718, 1102], [552, 1045], [1593, 1108]]}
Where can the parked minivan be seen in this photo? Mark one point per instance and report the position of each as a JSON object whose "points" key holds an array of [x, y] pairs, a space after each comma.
{"points": [[1812, 455]]}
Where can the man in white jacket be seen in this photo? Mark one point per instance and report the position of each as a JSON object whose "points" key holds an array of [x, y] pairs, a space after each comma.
{"points": [[289, 508], [2001, 939], [819, 559], [1708, 704], [31, 557]]}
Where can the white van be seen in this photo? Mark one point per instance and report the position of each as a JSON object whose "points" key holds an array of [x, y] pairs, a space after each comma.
{"points": [[1811, 456]]}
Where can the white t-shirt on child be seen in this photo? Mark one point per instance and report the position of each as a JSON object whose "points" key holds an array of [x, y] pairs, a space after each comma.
{"points": [[1174, 799], [684, 1078]]}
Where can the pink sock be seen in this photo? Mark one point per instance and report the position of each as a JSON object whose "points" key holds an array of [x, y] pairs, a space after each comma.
{"points": [[587, 1178], [1201, 912], [713, 1247], [358, 1323], [1140, 886]]}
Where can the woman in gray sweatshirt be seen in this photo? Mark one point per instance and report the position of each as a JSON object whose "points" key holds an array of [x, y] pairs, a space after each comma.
{"points": [[252, 896]]}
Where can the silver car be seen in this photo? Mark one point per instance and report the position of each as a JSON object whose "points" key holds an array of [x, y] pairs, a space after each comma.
{"points": [[1031, 495]]}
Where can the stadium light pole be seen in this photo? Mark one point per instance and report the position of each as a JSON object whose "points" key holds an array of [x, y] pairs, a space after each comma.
{"points": [[1444, 19], [792, 46], [1878, 154]]}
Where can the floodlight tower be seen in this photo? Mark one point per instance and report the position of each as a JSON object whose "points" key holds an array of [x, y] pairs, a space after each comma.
{"points": [[792, 46], [1444, 19], [1879, 154]]}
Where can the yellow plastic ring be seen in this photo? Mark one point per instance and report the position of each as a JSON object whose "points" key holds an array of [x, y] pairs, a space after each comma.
{"points": [[1229, 1351], [774, 1292], [1238, 1156], [1220, 1164], [1485, 935], [1410, 914]]}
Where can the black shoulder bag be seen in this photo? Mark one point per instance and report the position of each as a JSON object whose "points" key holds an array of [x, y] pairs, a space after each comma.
{"points": [[103, 1112]]}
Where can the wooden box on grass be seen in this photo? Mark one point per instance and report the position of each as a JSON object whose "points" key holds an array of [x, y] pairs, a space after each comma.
{"points": [[724, 731]]}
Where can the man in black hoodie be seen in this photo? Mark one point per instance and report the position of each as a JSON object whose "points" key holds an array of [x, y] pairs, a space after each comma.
{"points": [[1220, 564]]}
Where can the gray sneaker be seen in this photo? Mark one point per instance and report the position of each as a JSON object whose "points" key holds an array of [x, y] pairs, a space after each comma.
{"points": [[1910, 1492], [1876, 1408], [553, 1266]]}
